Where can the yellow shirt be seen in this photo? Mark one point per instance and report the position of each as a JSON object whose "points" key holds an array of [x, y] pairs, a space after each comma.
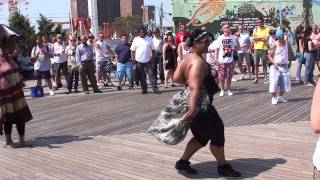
{"points": [[261, 32]]}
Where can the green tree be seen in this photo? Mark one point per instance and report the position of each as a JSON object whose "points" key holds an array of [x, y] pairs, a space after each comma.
{"points": [[22, 24], [129, 24], [45, 26], [58, 30]]}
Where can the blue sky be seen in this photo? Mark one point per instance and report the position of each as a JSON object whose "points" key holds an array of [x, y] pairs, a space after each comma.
{"points": [[58, 10]]}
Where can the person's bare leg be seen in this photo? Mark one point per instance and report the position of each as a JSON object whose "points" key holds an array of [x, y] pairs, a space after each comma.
{"points": [[218, 153], [229, 84], [222, 82], [192, 147], [166, 76]]}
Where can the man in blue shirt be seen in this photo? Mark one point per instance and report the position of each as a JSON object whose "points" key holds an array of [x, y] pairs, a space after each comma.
{"points": [[84, 58], [124, 65]]}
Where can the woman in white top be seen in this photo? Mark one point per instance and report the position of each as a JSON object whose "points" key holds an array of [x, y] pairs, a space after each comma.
{"points": [[184, 48], [315, 124], [279, 71]]}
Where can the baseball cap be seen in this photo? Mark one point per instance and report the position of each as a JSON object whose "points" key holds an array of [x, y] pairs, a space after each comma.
{"points": [[279, 33]]}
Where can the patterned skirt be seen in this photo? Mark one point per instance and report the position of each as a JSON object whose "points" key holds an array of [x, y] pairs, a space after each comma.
{"points": [[167, 128], [13, 106]]}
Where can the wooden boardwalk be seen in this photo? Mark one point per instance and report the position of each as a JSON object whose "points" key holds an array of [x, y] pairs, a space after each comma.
{"points": [[103, 136]]}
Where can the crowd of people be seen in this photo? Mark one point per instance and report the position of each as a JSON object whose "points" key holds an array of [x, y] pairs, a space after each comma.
{"points": [[194, 59]]}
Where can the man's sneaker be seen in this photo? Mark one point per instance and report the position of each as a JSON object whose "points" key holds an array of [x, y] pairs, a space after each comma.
{"points": [[119, 88], [234, 80], [227, 171], [242, 76], [274, 100], [282, 99], [255, 81], [229, 92], [309, 85], [221, 93], [86, 92], [265, 81], [183, 165], [51, 92]]}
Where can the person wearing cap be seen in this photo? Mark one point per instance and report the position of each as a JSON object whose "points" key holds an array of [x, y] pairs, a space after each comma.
{"points": [[280, 81], [260, 41], [13, 106], [226, 44]]}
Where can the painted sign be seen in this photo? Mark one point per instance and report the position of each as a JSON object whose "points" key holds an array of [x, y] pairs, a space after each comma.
{"points": [[211, 14]]}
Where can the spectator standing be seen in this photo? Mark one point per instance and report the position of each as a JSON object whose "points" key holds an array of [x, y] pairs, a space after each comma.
{"points": [[73, 68], [142, 52], [169, 60], [243, 53], [124, 63], [158, 45], [181, 34], [102, 52], [60, 58], [26, 66], [226, 44], [184, 48], [260, 40], [299, 55], [40, 55], [279, 71], [84, 58], [309, 51]]}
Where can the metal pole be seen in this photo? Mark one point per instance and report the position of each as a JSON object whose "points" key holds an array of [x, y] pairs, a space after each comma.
{"points": [[161, 16], [93, 14]]}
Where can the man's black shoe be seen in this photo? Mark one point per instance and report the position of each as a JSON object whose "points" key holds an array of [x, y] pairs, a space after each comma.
{"points": [[183, 165], [144, 92], [97, 91], [119, 88], [227, 171]]}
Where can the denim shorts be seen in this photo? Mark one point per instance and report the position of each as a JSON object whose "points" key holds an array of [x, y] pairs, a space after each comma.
{"points": [[100, 65], [123, 69], [42, 74]]}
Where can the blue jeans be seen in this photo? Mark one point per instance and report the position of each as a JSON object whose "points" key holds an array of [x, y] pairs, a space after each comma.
{"points": [[299, 66], [310, 63], [124, 69]]}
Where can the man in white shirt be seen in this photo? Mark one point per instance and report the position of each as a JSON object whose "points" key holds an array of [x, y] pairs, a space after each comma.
{"points": [[42, 65], [158, 44], [142, 52], [102, 52], [60, 58], [244, 43], [226, 44]]}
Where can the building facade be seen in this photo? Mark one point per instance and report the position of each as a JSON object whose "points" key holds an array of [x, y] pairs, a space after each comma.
{"points": [[148, 13], [107, 10], [131, 8]]}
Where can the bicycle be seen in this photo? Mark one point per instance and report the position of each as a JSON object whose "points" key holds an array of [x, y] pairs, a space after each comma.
{"points": [[109, 73]]}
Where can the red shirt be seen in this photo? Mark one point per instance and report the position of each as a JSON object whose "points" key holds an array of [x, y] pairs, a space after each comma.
{"points": [[179, 37]]}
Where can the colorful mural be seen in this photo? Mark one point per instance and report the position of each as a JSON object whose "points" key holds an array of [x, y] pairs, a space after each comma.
{"points": [[212, 13]]}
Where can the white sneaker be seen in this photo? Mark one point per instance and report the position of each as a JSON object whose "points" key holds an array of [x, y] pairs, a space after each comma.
{"points": [[265, 81], [274, 100], [221, 93], [281, 99], [229, 92], [234, 80], [242, 76], [51, 92], [309, 84]]}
